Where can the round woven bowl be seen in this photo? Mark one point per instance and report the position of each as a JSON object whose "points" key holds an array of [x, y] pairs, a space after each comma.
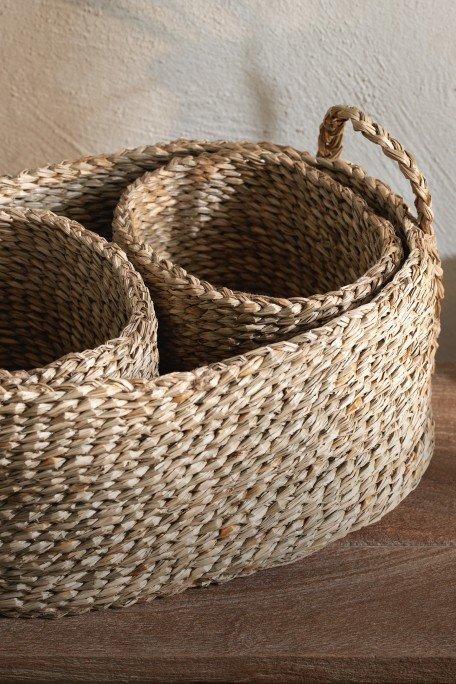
{"points": [[72, 308], [245, 249], [195, 477]]}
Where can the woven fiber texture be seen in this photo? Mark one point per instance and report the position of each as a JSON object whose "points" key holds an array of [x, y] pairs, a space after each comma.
{"points": [[119, 489], [208, 232]]}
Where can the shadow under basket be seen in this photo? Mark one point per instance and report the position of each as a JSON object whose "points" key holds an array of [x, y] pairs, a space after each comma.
{"points": [[115, 490], [247, 248]]}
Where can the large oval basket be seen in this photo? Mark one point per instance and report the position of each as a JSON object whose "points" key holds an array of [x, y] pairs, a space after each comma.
{"points": [[200, 476]]}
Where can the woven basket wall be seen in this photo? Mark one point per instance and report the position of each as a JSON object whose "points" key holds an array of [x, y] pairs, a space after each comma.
{"points": [[199, 476], [208, 232]]}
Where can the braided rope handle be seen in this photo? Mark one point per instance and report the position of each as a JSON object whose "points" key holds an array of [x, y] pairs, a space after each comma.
{"points": [[330, 146]]}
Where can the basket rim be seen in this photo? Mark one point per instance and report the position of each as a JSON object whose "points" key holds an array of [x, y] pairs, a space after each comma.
{"points": [[125, 160], [206, 289], [419, 256]]}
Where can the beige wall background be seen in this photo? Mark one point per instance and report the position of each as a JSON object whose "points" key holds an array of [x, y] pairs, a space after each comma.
{"points": [[85, 76]]}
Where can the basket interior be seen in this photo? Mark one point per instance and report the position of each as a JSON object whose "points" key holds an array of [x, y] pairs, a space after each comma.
{"points": [[57, 295], [258, 226]]}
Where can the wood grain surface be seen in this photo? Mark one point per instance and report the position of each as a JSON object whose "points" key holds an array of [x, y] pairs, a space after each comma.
{"points": [[379, 605]]}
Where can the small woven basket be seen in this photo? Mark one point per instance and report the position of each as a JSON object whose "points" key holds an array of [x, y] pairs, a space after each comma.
{"points": [[73, 309], [207, 232], [117, 490]]}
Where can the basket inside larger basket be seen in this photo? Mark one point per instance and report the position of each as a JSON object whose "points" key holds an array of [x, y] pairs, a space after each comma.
{"points": [[72, 309], [245, 248]]}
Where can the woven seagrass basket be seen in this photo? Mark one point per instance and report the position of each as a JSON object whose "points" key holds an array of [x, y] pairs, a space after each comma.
{"points": [[72, 308], [200, 476], [208, 232]]}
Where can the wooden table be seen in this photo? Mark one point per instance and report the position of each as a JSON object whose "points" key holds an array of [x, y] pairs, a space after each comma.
{"points": [[379, 605]]}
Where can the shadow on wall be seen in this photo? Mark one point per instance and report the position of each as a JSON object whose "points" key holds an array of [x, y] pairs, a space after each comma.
{"points": [[81, 91], [261, 93], [447, 349]]}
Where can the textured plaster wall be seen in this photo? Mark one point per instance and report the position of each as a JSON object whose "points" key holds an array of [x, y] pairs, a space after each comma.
{"points": [[83, 76]]}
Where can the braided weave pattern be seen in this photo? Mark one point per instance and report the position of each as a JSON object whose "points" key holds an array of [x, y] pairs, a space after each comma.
{"points": [[120, 487]]}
